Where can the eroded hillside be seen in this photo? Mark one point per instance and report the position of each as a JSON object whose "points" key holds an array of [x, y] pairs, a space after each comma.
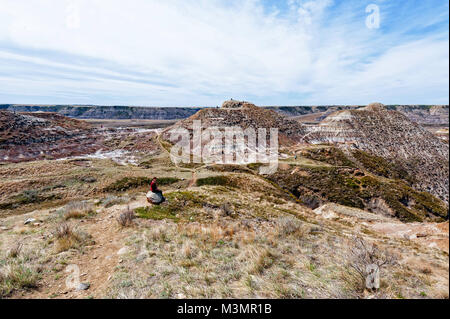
{"points": [[391, 136], [33, 136]]}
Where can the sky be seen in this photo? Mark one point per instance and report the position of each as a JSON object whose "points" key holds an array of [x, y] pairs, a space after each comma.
{"points": [[202, 52]]}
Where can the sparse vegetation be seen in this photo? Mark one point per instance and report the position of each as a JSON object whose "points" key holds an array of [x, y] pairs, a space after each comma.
{"points": [[67, 238], [289, 225], [128, 183], [380, 166], [125, 219], [16, 276], [219, 180], [347, 187], [236, 235], [329, 155], [364, 255], [77, 210], [15, 250]]}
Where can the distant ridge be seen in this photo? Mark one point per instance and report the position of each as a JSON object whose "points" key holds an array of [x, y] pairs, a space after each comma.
{"points": [[421, 114]]}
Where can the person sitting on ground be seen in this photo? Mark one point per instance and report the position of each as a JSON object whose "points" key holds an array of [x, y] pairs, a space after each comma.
{"points": [[155, 196]]}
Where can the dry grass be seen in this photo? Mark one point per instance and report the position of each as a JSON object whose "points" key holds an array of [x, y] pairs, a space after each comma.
{"points": [[18, 272], [289, 226], [125, 219], [17, 277], [68, 238], [245, 248], [77, 210], [264, 260], [14, 252]]}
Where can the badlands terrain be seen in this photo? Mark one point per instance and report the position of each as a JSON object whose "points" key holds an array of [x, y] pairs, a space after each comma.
{"points": [[354, 186]]}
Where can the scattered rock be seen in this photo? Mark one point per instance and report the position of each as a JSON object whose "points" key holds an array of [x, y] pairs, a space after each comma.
{"points": [[29, 221], [84, 286], [123, 251]]}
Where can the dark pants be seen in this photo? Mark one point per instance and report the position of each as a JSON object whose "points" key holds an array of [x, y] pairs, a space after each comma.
{"points": [[162, 196]]}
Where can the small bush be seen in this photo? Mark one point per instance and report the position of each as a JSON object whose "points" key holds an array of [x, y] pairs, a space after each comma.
{"points": [[263, 261], [289, 226], [227, 209], [63, 230], [125, 219], [363, 254]]}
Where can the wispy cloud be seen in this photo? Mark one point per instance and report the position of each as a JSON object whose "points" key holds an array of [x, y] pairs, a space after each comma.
{"points": [[188, 52]]}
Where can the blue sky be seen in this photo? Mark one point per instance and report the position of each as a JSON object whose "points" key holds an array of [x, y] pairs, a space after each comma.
{"points": [[199, 53]]}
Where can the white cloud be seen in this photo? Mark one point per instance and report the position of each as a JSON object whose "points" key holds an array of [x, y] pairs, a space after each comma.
{"points": [[199, 52]]}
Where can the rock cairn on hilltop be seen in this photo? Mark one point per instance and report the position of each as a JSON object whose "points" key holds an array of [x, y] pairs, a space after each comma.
{"points": [[374, 107], [233, 104]]}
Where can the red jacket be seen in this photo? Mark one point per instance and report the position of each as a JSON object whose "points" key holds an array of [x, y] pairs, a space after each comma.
{"points": [[153, 187]]}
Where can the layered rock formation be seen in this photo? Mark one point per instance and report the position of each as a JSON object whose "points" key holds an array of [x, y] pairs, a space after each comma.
{"points": [[245, 115], [390, 135]]}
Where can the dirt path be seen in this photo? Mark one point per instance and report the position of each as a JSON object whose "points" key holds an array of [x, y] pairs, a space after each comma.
{"points": [[96, 263]]}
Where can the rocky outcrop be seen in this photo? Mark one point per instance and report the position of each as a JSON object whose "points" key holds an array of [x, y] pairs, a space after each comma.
{"points": [[390, 135], [38, 136]]}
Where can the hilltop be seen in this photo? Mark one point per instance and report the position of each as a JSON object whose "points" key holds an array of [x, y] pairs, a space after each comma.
{"points": [[245, 115]]}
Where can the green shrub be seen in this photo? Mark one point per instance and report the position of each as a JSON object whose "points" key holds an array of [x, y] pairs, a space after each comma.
{"points": [[382, 167], [343, 187], [28, 197], [215, 181], [331, 155]]}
